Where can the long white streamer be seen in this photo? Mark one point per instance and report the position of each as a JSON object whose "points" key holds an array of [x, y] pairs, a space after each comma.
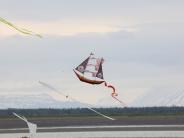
{"points": [[73, 99]]}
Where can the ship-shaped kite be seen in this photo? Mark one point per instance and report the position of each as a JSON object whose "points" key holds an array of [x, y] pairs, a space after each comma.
{"points": [[90, 71], [91, 66]]}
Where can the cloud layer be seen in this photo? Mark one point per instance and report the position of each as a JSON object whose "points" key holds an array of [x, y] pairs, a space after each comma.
{"points": [[142, 44]]}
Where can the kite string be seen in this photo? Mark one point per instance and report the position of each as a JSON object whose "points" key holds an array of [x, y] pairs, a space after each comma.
{"points": [[114, 94]]}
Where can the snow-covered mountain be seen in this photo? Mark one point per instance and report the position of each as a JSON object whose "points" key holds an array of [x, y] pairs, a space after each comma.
{"points": [[35, 101], [160, 97]]}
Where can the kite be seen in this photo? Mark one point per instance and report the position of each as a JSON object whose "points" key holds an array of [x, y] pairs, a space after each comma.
{"points": [[73, 99], [32, 127], [90, 71], [22, 30]]}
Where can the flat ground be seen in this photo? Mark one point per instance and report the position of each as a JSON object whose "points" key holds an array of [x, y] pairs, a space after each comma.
{"points": [[9, 123]]}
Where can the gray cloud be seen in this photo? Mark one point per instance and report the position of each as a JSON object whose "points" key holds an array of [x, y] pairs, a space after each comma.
{"points": [[144, 59], [61, 9]]}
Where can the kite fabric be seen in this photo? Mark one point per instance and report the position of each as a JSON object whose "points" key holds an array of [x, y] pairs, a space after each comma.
{"points": [[73, 99], [22, 30]]}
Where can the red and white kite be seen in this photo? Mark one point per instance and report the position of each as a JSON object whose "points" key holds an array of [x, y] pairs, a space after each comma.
{"points": [[90, 71]]}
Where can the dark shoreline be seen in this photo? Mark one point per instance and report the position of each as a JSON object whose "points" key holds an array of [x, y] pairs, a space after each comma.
{"points": [[81, 117]]}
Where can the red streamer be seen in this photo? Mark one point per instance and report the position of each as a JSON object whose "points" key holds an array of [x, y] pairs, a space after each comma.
{"points": [[114, 94]]}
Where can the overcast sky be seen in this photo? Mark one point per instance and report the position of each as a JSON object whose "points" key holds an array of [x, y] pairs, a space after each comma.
{"points": [[141, 42]]}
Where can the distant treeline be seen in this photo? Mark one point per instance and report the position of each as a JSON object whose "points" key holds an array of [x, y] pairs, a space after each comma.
{"points": [[85, 112]]}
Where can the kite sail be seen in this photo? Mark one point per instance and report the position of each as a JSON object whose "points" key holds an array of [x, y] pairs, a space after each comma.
{"points": [[90, 71], [22, 30], [73, 99], [32, 127]]}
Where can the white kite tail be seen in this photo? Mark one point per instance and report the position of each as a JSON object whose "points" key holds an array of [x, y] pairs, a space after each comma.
{"points": [[73, 99], [32, 129], [88, 107], [20, 117]]}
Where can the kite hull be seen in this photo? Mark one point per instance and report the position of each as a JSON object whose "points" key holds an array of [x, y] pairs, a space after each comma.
{"points": [[83, 79]]}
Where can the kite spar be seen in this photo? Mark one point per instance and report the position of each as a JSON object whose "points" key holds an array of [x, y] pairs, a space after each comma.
{"points": [[19, 29], [93, 66], [73, 99]]}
